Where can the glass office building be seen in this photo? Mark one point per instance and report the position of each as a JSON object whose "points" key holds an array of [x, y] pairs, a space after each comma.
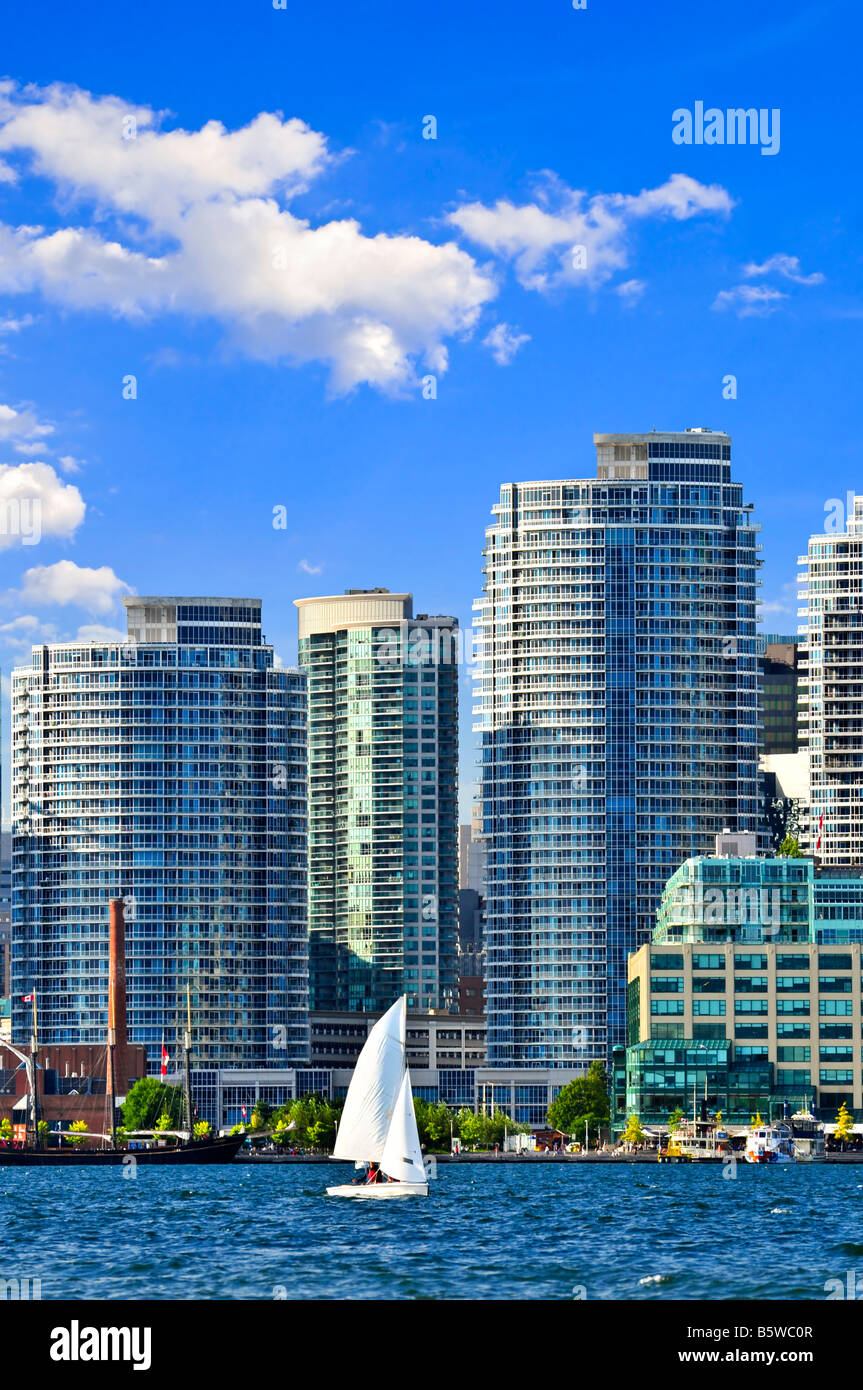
{"points": [[618, 704], [383, 818], [169, 770]]}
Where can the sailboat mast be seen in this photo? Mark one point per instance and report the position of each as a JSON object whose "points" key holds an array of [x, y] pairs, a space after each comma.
{"points": [[34, 1075], [187, 1048], [117, 931]]}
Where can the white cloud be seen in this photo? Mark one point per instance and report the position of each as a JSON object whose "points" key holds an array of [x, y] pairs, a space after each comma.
{"points": [[25, 631], [749, 301], [309, 569], [630, 290], [70, 464], [35, 502], [564, 238], [211, 237], [503, 342], [22, 425], [13, 325], [786, 266], [95, 590]]}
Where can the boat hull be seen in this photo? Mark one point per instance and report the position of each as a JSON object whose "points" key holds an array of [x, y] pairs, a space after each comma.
{"points": [[215, 1151], [380, 1191]]}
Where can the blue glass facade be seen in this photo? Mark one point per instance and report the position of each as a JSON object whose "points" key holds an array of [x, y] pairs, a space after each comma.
{"points": [[618, 704], [170, 770]]}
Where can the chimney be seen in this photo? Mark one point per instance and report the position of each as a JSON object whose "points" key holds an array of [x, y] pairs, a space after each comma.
{"points": [[117, 975]]}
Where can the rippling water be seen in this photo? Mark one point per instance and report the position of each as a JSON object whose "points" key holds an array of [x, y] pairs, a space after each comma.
{"points": [[545, 1231]]}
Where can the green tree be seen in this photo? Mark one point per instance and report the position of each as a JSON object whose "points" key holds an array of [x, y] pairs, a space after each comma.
{"points": [[6, 1129], [440, 1126], [585, 1098], [261, 1114], [148, 1099], [790, 848], [78, 1128], [470, 1128], [203, 1129], [674, 1119]]}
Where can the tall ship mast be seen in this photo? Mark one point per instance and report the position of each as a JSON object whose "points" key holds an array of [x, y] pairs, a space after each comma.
{"points": [[52, 1149]]}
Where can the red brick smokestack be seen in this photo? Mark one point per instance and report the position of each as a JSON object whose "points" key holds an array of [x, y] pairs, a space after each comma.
{"points": [[117, 977]]}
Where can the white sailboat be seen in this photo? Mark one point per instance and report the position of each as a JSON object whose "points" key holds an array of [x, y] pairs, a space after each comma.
{"points": [[378, 1124]]}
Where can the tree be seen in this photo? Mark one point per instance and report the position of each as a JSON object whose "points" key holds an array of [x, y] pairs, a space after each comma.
{"points": [[202, 1129], [440, 1125], [790, 848], [674, 1119], [148, 1099], [633, 1134], [78, 1128], [844, 1125], [584, 1099], [261, 1114], [6, 1129]]}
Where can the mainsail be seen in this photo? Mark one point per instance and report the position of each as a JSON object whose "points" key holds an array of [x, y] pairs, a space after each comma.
{"points": [[374, 1089], [402, 1156]]}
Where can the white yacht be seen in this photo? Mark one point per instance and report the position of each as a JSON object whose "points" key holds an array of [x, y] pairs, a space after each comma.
{"points": [[808, 1136], [770, 1143]]}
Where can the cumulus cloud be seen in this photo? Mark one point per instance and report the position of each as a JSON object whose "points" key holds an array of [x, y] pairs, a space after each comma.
{"points": [[99, 632], [749, 301], [94, 590], [21, 427], [35, 502], [306, 568], [201, 227], [564, 237], [503, 342], [786, 266], [630, 290], [70, 464]]}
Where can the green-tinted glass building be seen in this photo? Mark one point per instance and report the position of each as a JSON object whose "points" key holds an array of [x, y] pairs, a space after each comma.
{"points": [[383, 820]]}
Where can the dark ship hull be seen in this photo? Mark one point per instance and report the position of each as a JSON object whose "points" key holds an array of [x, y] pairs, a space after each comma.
{"points": [[206, 1151]]}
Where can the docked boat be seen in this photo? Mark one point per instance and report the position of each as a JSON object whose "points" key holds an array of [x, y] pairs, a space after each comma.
{"points": [[378, 1128], [770, 1143], [697, 1141], [808, 1137], [147, 1147]]}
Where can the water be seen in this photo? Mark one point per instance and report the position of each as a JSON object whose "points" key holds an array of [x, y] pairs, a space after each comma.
{"points": [[544, 1231]]}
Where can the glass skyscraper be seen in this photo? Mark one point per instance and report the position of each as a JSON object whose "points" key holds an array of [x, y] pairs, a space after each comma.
{"points": [[831, 689], [170, 770], [383, 819], [618, 704]]}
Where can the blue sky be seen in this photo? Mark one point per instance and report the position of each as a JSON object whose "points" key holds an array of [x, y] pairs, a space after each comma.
{"points": [[281, 284]]}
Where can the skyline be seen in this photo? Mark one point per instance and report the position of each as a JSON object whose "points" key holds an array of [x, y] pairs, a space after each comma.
{"points": [[702, 262]]}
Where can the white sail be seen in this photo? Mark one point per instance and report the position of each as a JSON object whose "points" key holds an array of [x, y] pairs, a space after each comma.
{"points": [[402, 1156], [374, 1088]]}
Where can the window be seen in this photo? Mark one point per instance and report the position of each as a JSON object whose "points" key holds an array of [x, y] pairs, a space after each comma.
{"points": [[793, 984], [836, 1030], [710, 984], [831, 1076], [667, 984], [833, 962], [792, 1030], [792, 1006], [834, 984], [665, 961], [786, 962], [712, 1007], [701, 961], [666, 1006], [793, 1054], [836, 1054], [750, 984], [835, 1008], [750, 1030], [751, 961], [750, 1006]]}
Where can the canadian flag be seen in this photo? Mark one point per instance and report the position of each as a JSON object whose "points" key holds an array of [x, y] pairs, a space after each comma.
{"points": [[820, 824], [27, 998], [164, 1060]]}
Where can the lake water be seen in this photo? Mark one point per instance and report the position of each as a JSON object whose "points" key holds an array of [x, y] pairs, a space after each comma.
{"points": [[543, 1231]]}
